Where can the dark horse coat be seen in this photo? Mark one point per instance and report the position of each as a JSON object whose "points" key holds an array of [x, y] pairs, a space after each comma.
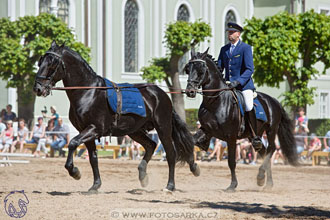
{"points": [[220, 117], [93, 118]]}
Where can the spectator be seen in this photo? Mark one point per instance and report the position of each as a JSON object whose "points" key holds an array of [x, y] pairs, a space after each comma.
{"points": [[302, 120], [54, 117], [135, 149], [47, 139], [125, 144], [6, 137], [219, 148], [246, 152], [327, 145], [61, 138], [314, 145], [277, 153], [9, 115], [2, 125], [38, 132], [2, 114], [301, 140], [159, 147], [22, 136]]}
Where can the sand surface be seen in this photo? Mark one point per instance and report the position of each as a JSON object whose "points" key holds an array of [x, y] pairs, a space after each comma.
{"points": [[298, 193]]}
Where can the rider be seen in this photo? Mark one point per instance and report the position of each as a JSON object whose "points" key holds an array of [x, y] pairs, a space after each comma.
{"points": [[237, 60]]}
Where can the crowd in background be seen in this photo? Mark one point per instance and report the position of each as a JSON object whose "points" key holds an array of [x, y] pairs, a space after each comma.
{"points": [[13, 138], [56, 135]]}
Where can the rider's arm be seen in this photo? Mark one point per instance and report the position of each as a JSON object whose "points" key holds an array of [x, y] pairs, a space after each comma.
{"points": [[248, 64]]}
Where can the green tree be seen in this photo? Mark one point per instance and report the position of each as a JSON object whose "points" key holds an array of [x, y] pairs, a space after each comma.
{"points": [[180, 37], [286, 47], [22, 42]]}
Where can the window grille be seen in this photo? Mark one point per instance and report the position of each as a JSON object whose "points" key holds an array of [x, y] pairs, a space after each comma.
{"points": [[131, 36]]}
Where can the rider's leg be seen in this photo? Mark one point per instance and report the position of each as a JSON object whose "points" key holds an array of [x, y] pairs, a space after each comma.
{"points": [[248, 98]]}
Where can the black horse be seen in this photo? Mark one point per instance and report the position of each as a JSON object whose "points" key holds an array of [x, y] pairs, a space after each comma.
{"points": [[219, 116], [91, 115]]}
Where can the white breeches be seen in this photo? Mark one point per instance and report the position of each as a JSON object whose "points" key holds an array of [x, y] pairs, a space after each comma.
{"points": [[248, 98]]}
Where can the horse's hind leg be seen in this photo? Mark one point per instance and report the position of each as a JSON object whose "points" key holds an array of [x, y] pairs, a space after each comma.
{"points": [[232, 165], [266, 165], [149, 146], [91, 147]]}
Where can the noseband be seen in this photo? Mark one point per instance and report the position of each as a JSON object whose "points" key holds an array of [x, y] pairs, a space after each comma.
{"points": [[48, 86], [204, 75]]}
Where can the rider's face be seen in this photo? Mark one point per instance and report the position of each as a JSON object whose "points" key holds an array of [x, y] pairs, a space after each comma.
{"points": [[233, 36]]}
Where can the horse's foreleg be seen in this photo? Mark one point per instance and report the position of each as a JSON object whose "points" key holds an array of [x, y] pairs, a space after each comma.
{"points": [[202, 140], [232, 165], [94, 163], [86, 135]]}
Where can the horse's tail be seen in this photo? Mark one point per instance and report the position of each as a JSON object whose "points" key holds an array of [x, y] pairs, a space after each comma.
{"points": [[182, 138], [286, 138]]}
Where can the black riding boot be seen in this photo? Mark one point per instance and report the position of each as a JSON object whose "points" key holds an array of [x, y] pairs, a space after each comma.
{"points": [[256, 140]]}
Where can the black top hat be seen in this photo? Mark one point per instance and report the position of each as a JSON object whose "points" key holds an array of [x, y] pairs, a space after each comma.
{"points": [[234, 27]]}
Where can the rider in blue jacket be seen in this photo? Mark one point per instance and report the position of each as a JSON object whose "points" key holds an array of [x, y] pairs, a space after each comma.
{"points": [[237, 61]]}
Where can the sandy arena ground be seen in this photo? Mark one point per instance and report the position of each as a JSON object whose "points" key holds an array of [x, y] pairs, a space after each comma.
{"points": [[298, 193]]}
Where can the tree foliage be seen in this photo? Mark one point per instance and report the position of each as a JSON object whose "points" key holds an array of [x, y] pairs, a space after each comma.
{"points": [[287, 47], [22, 42], [180, 37]]}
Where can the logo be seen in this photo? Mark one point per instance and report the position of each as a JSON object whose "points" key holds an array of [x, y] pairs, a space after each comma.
{"points": [[16, 204]]}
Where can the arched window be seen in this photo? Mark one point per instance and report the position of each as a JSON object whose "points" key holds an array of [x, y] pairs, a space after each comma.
{"points": [[230, 17], [63, 10], [44, 6], [183, 13], [131, 36]]}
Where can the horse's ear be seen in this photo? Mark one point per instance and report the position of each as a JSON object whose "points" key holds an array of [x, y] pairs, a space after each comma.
{"points": [[193, 53], [53, 44], [204, 55]]}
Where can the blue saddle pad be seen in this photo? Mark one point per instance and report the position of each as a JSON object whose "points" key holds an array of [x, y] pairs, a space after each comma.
{"points": [[132, 101], [259, 110]]}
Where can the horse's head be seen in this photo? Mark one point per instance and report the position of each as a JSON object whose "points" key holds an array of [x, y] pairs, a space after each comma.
{"points": [[197, 71], [51, 70]]}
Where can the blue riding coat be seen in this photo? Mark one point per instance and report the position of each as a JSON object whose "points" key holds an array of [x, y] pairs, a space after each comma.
{"points": [[238, 66]]}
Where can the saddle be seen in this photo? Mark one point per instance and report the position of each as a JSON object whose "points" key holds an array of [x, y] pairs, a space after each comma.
{"points": [[257, 107]]}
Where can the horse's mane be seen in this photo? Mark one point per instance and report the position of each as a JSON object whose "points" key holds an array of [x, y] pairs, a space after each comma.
{"points": [[214, 62], [80, 59]]}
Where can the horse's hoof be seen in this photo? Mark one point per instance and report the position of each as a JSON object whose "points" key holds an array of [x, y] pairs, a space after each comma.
{"points": [[170, 187], [230, 190], [92, 190], [145, 181], [167, 191], [267, 188], [76, 173], [197, 170], [260, 180]]}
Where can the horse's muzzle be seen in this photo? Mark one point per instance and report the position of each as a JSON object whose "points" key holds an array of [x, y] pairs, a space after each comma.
{"points": [[190, 91], [40, 90]]}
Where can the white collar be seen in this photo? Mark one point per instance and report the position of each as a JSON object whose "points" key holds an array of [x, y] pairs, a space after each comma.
{"points": [[235, 44]]}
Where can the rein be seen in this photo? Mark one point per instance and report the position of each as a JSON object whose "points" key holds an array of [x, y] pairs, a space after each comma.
{"points": [[121, 87]]}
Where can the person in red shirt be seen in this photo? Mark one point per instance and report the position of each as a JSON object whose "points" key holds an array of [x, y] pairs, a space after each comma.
{"points": [[314, 145]]}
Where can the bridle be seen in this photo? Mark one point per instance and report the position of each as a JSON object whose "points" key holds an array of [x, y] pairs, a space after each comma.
{"points": [[50, 78], [198, 83]]}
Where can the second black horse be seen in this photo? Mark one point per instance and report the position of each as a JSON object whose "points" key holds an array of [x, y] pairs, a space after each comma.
{"points": [[220, 117]]}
